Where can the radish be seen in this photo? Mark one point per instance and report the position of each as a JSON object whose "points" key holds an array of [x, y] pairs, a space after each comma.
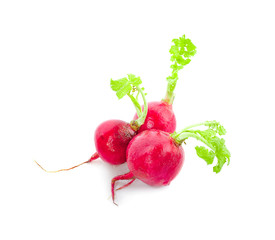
{"points": [[156, 157], [160, 114], [113, 136]]}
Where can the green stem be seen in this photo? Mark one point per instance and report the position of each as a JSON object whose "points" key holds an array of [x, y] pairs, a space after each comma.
{"points": [[194, 125], [181, 50], [177, 134], [180, 137], [137, 123], [170, 95], [136, 104]]}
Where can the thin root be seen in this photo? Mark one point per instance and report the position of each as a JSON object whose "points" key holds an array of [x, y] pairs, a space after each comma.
{"points": [[127, 176], [126, 185], [95, 156]]}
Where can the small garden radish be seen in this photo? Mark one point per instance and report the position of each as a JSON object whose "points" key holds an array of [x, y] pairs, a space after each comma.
{"points": [[156, 157], [160, 114], [149, 143], [113, 136]]}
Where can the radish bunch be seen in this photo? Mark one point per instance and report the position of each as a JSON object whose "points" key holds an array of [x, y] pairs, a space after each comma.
{"points": [[149, 143]]}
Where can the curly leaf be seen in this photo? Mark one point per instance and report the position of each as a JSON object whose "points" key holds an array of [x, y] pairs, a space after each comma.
{"points": [[211, 138], [125, 85], [181, 52], [205, 154]]}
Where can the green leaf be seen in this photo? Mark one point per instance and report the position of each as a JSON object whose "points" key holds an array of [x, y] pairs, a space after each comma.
{"points": [[211, 138], [124, 86], [130, 86], [135, 81], [221, 152], [207, 134], [210, 135], [216, 126], [181, 52], [176, 67], [205, 154], [121, 87], [118, 84]]}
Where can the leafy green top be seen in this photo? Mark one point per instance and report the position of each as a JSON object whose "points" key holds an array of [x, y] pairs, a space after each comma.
{"points": [[209, 138], [125, 85], [128, 86], [182, 50]]}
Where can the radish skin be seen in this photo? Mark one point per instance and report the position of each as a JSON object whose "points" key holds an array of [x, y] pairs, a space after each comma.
{"points": [[160, 116], [154, 157], [111, 140]]}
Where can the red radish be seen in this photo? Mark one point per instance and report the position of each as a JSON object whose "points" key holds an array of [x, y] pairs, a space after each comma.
{"points": [[160, 114], [156, 157], [111, 140], [147, 157], [112, 137]]}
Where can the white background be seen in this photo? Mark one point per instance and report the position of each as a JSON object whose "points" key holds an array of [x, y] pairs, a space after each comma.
{"points": [[56, 61]]}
